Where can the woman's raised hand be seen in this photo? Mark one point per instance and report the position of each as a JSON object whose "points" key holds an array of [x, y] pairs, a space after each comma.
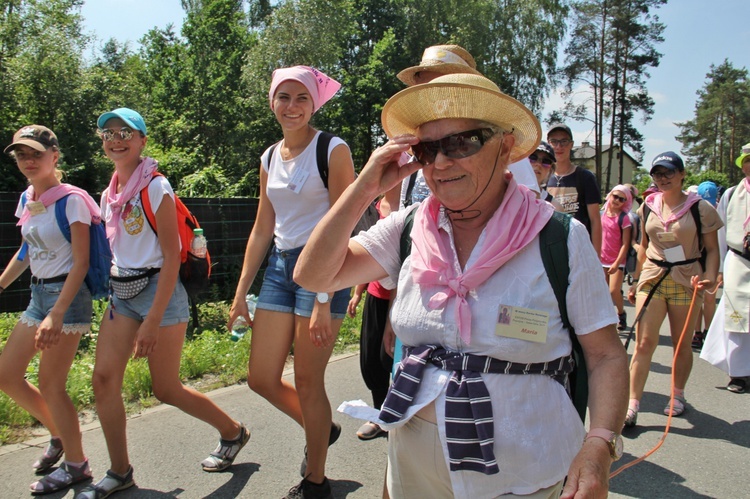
{"points": [[389, 164]]}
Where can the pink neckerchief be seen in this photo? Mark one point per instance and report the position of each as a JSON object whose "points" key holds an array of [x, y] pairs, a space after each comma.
{"points": [[512, 227], [50, 196], [654, 201], [140, 178]]}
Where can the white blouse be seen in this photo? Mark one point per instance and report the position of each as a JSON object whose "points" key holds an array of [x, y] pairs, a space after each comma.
{"points": [[537, 430]]}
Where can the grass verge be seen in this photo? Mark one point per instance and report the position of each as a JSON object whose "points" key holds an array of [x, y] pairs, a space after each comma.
{"points": [[210, 359]]}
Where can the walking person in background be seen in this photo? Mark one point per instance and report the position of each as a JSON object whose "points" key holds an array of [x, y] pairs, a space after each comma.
{"points": [[708, 191], [293, 199], [60, 308], [575, 188], [669, 268], [616, 232], [543, 163], [148, 317], [727, 343]]}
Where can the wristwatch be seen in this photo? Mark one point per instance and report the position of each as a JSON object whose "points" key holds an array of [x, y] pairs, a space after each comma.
{"points": [[613, 440], [322, 297]]}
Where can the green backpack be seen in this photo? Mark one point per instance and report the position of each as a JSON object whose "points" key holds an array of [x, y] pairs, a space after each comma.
{"points": [[553, 244]]}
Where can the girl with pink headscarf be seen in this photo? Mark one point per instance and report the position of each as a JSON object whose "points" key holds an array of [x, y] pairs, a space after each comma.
{"points": [[294, 197], [616, 233]]}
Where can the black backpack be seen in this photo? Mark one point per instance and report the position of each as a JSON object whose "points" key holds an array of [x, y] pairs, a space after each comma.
{"points": [[695, 211], [553, 244]]}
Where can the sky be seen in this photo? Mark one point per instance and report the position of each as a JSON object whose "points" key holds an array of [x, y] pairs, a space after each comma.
{"points": [[698, 33]]}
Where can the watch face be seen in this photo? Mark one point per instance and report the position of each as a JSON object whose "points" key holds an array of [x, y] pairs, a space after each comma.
{"points": [[619, 447], [322, 297]]}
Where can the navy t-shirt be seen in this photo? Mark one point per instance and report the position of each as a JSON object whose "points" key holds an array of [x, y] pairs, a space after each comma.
{"points": [[574, 192]]}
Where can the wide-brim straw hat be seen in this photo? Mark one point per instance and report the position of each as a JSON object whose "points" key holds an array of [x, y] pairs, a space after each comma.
{"points": [[443, 59], [462, 96]]}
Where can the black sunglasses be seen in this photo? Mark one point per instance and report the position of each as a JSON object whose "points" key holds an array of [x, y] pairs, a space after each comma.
{"points": [[619, 198], [458, 145], [544, 161], [667, 174]]}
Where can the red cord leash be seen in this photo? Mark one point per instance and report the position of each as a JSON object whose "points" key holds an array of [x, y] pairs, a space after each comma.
{"points": [[671, 399]]}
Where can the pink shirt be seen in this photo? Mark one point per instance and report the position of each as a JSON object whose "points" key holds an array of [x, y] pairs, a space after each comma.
{"points": [[612, 238]]}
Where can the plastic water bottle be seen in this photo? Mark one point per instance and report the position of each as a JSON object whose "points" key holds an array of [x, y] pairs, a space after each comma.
{"points": [[199, 245], [240, 326]]}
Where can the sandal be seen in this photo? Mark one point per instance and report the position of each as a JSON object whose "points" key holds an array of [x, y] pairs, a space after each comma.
{"points": [[737, 385], [224, 455], [111, 483], [52, 454], [369, 431], [679, 406], [62, 478], [631, 418]]}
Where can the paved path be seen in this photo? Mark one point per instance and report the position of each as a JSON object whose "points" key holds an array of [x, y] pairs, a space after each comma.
{"points": [[705, 454]]}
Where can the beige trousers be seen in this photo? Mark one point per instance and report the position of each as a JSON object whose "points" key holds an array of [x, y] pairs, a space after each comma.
{"points": [[416, 465]]}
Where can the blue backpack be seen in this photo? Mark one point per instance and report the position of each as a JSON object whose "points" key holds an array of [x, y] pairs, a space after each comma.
{"points": [[100, 254]]}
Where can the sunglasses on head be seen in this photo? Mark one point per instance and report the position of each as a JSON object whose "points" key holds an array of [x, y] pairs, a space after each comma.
{"points": [[619, 198], [108, 134], [546, 162], [458, 145]]}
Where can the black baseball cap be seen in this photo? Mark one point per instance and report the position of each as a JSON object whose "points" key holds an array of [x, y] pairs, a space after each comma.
{"points": [[669, 160], [560, 126], [545, 147]]}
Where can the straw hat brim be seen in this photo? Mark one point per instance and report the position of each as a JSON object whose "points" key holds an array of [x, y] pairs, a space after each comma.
{"points": [[407, 75], [414, 106]]}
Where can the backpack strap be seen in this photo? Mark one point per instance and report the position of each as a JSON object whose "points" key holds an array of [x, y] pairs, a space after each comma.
{"points": [[269, 155], [321, 155], [695, 211], [61, 217], [553, 245], [405, 241], [410, 189], [620, 220], [148, 211]]}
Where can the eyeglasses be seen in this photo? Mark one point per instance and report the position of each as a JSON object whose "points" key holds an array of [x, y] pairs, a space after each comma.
{"points": [[458, 145], [560, 142], [108, 135], [667, 174], [619, 198], [546, 162]]}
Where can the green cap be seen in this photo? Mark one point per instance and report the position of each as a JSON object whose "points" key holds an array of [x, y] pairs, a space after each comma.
{"points": [[198, 232]]}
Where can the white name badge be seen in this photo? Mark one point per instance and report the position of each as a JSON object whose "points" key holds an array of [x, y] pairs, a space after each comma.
{"points": [[36, 208], [675, 254], [298, 180], [666, 237], [522, 323]]}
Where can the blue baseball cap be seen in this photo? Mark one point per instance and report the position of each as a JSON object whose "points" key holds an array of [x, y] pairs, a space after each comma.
{"points": [[669, 160], [708, 191], [130, 117]]}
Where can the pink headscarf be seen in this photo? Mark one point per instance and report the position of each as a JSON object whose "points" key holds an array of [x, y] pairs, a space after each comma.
{"points": [[518, 220], [320, 86], [628, 198]]}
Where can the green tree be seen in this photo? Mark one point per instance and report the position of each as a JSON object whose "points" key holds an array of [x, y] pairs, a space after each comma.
{"points": [[721, 125]]}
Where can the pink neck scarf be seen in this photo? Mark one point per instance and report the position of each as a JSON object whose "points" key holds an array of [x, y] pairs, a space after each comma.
{"points": [[654, 201], [50, 196], [140, 178], [511, 228]]}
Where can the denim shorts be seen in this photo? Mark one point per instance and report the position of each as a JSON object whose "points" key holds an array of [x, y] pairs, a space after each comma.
{"points": [[138, 307], [77, 318], [280, 293]]}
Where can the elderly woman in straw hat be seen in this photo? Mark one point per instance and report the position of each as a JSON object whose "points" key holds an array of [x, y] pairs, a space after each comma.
{"points": [[474, 250]]}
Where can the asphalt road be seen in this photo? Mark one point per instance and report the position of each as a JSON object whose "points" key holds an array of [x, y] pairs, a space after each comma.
{"points": [[704, 455]]}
